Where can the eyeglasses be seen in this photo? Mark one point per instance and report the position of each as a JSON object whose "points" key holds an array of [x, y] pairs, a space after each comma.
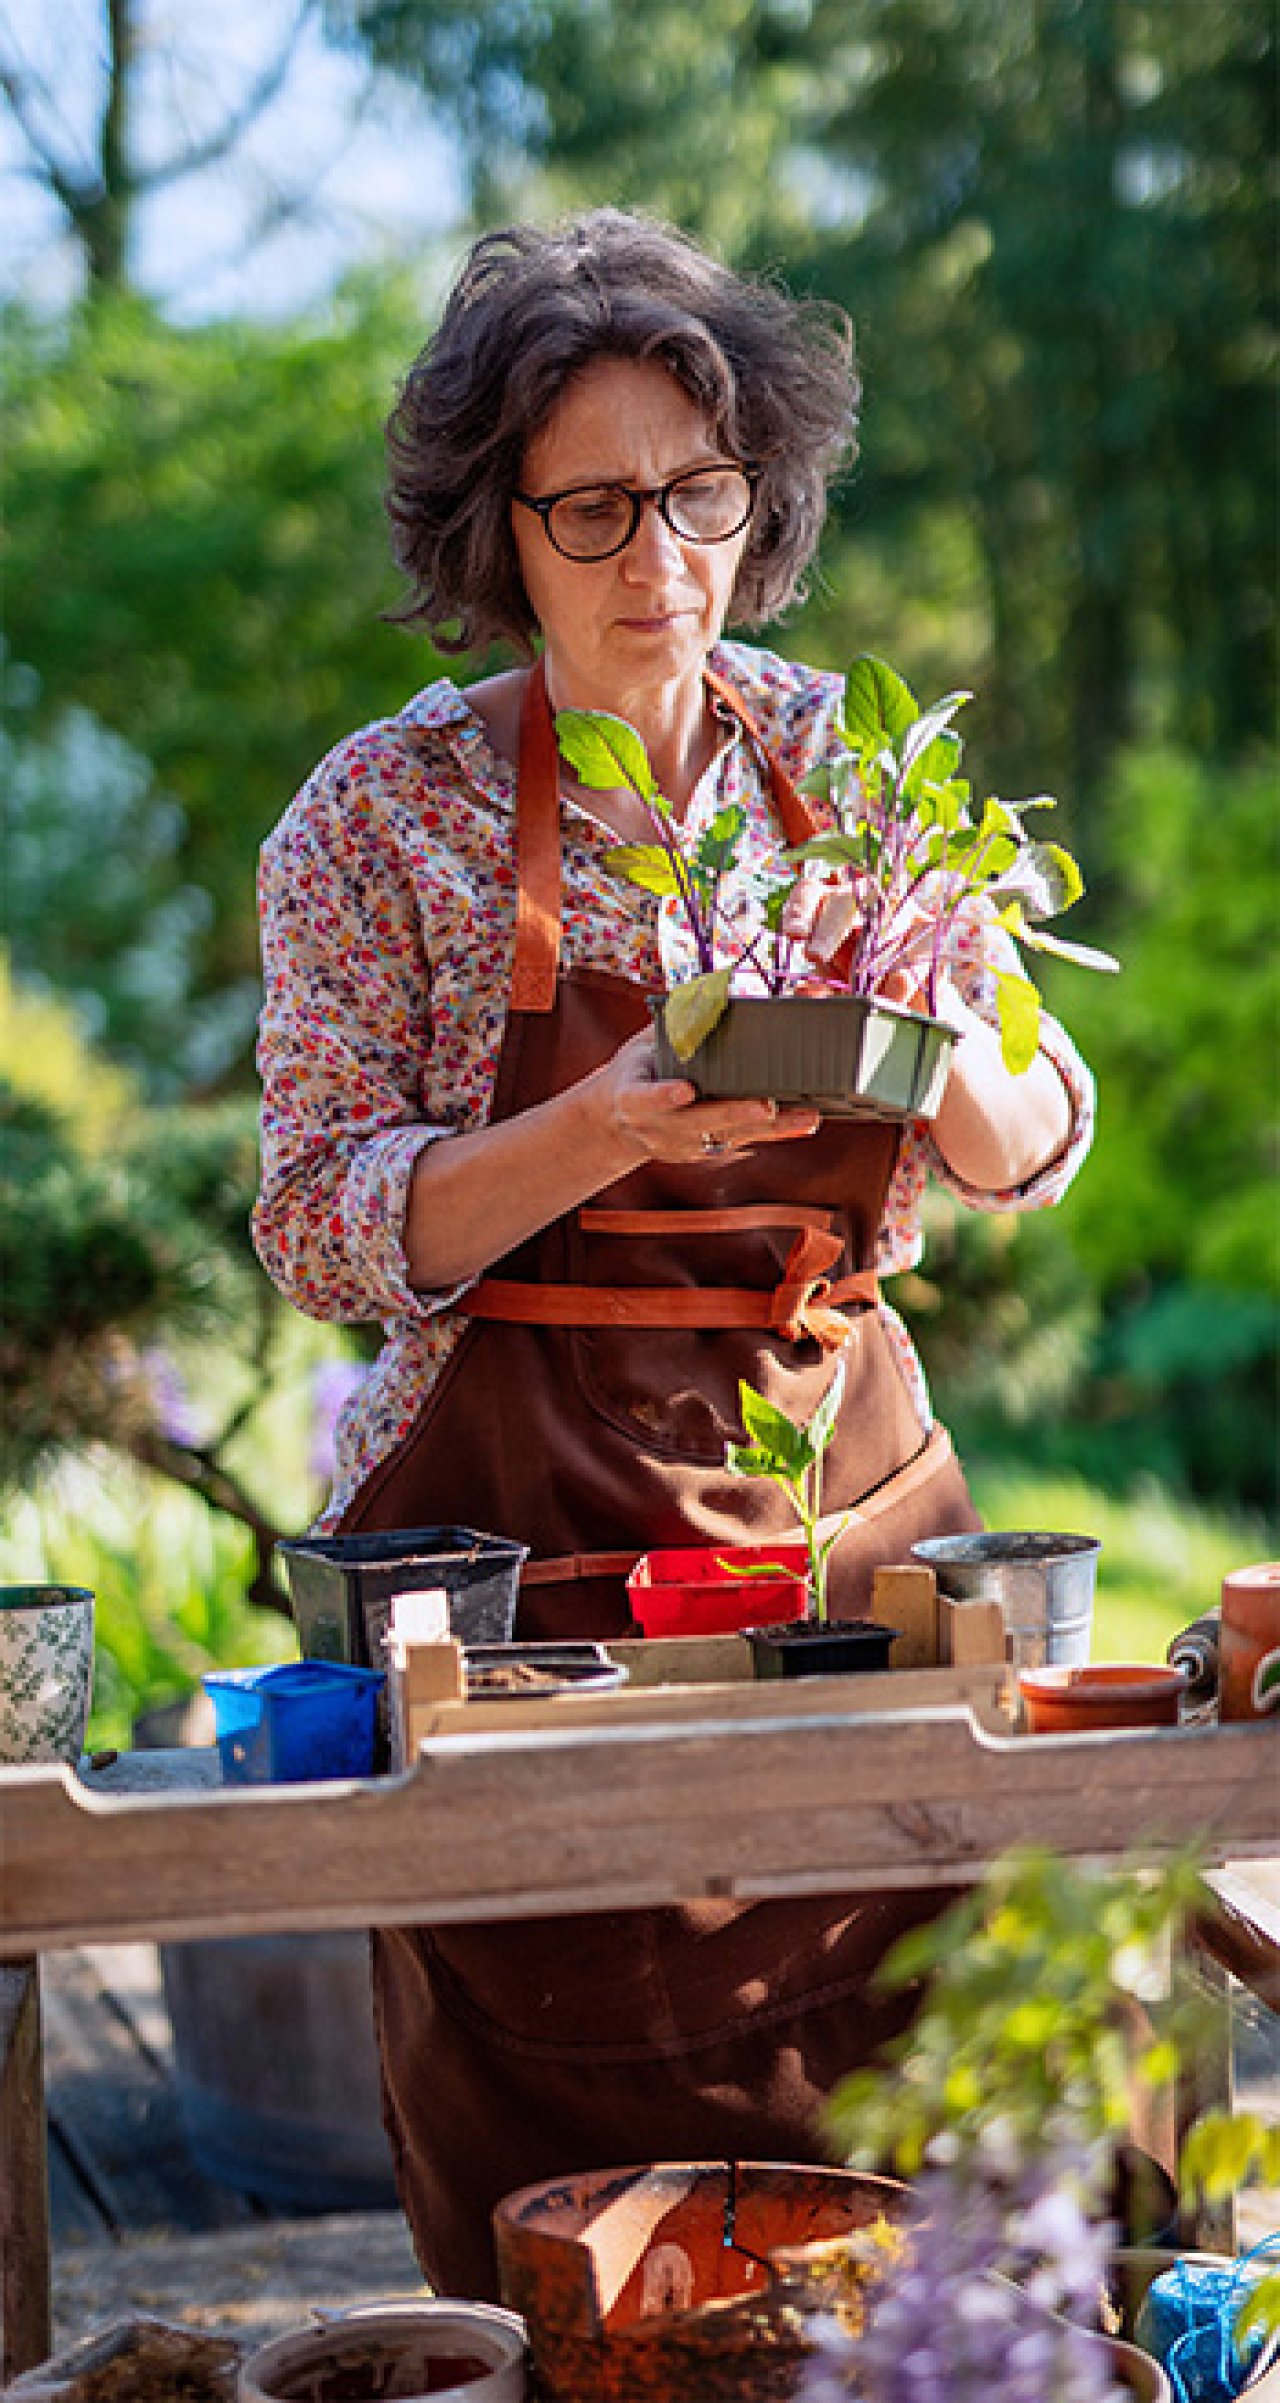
{"points": [[592, 521]]}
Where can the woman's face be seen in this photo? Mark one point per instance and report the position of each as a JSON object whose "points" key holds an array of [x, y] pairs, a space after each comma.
{"points": [[645, 618]]}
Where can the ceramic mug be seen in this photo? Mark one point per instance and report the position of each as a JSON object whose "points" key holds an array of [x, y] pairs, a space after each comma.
{"points": [[46, 1671]]}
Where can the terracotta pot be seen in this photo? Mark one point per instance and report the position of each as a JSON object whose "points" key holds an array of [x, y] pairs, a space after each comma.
{"points": [[653, 2285], [846, 1056], [441, 2350], [1065, 1701], [1249, 1673]]}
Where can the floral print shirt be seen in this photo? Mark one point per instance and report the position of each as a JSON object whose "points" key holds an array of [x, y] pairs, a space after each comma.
{"points": [[387, 898]]}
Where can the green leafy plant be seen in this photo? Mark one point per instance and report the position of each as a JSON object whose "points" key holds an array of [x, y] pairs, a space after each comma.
{"points": [[875, 895], [791, 1454], [1035, 2029]]}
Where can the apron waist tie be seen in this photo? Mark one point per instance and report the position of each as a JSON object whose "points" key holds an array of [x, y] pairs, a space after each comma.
{"points": [[805, 1302]]}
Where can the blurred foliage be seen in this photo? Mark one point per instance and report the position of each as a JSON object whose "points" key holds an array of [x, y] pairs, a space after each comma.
{"points": [[169, 1579], [1027, 2046], [195, 556], [1137, 1327], [119, 1245], [1053, 224]]}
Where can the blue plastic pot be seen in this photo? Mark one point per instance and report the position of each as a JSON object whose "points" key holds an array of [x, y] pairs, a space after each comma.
{"points": [[295, 1721]]}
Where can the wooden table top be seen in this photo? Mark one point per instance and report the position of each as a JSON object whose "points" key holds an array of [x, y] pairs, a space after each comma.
{"points": [[749, 1794]]}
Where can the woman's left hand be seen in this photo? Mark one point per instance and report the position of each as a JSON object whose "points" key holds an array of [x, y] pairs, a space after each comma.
{"points": [[995, 1130]]}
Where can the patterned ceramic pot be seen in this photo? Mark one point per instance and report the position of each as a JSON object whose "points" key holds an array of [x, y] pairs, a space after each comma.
{"points": [[46, 1671]]}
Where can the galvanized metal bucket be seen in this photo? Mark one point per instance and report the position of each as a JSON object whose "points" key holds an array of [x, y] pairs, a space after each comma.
{"points": [[1043, 1583]]}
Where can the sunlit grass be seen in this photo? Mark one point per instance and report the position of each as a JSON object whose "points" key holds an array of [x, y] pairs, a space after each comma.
{"points": [[168, 1576]]}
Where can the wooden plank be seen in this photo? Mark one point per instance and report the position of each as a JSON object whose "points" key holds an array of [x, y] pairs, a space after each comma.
{"points": [[739, 1703], [25, 2329], [683, 1659], [970, 1632], [491, 1826], [906, 1597]]}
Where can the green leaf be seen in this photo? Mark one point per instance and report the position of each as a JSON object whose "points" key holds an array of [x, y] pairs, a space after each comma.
{"points": [[754, 1568], [1081, 955], [773, 1431], [716, 847], [1019, 1006], [692, 1009], [937, 763], [645, 864], [920, 738], [1042, 878], [1259, 2314], [942, 804], [822, 1425], [832, 850], [746, 1461], [877, 704], [604, 752]]}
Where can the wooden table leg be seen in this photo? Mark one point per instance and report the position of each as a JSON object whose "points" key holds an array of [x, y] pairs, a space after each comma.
{"points": [[25, 2325]]}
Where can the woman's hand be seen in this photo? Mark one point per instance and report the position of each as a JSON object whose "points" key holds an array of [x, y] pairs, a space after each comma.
{"points": [[996, 1130], [474, 1197], [663, 1119]]}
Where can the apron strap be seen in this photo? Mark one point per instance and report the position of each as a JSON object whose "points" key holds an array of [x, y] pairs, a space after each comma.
{"points": [[536, 958], [805, 1302], [740, 1218]]}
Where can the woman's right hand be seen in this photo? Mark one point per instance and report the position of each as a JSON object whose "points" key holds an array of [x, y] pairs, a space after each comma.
{"points": [[662, 1118], [473, 1197]]}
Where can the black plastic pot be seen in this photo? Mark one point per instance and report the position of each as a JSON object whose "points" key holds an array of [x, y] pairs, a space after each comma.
{"points": [[844, 1055], [341, 1586], [820, 1648]]}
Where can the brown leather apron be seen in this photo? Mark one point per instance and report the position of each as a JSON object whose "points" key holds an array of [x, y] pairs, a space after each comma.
{"points": [[585, 1411]]}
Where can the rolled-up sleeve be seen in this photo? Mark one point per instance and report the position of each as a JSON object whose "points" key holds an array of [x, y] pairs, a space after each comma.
{"points": [[980, 949], [344, 1043]]}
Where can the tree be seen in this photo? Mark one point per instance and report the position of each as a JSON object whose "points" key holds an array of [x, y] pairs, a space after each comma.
{"points": [[1052, 223], [99, 191], [195, 555]]}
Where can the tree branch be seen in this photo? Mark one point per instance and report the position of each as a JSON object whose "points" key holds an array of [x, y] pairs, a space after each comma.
{"points": [[198, 1470], [216, 145], [71, 191]]}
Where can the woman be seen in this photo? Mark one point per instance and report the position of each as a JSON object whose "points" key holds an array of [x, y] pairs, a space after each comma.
{"points": [[611, 449]]}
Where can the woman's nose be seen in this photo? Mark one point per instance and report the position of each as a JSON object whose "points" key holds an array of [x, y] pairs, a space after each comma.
{"points": [[654, 541]]}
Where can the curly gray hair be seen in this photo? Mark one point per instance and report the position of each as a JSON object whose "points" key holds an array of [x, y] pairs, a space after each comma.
{"points": [[530, 309]]}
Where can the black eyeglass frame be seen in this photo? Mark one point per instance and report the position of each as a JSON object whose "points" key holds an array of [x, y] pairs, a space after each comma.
{"points": [[636, 495]]}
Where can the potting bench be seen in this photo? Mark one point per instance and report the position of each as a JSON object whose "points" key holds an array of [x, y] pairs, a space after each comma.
{"points": [[647, 1796]]}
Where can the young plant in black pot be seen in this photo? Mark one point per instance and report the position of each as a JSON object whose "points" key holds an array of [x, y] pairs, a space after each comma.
{"points": [[792, 987], [792, 1455]]}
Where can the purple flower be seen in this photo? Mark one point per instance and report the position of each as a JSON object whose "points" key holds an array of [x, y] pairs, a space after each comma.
{"points": [[332, 1386], [970, 2314]]}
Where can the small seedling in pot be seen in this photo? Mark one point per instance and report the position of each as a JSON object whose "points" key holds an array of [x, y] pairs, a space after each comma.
{"points": [[792, 1454]]}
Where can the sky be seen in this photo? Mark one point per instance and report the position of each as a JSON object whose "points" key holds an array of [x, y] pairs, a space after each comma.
{"points": [[333, 172]]}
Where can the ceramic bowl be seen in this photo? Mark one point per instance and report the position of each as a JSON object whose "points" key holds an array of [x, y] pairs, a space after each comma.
{"points": [[402, 2349], [46, 1671]]}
